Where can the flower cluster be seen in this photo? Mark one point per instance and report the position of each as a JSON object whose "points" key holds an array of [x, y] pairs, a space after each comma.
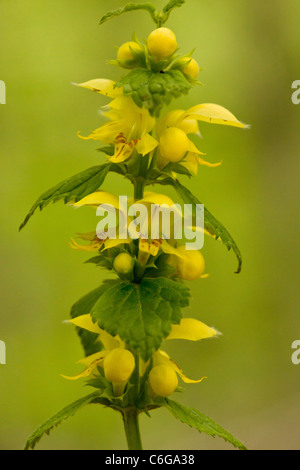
{"points": [[138, 139], [123, 323]]}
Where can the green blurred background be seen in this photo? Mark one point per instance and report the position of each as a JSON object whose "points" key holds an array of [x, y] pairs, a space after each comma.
{"points": [[250, 52]]}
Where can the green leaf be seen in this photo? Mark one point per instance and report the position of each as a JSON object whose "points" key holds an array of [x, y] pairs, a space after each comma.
{"points": [[173, 4], [74, 188], [211, 224], [141, 314], [129, 7], [153, 90], [199, 421], [83, 307], [177, 168], [64, 414]]}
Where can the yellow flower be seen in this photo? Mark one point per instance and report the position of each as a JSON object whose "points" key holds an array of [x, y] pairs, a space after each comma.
{"points": [[170, 129], [189, 329], [94, 361], [100, 241], [191, 68], [128, 51], [129, 126], [162, 43], [117, 362], [146, 246], [123, 263], [163, 380], [118, 367], [190, 266]]}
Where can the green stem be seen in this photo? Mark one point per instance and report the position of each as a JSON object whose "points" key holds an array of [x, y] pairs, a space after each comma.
{"points": [[139, 185], [132, 429]]}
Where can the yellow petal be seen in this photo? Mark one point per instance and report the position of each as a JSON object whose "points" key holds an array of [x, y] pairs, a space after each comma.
{"points": [[185, 379], [92, 367], [146, 144], [85, 322], [156, 198], [192, 148], [208, 164], [161, 357], [103, 86], [96, 199], [191, 162], [91, 248], [90, 236], [151, 248], [106, 133], [169, 249], [189, 126], [110, 342], [213, 113], [192, 330], [86, 373], [93, 358], [111, 243], [123, 149], [170, 119]]}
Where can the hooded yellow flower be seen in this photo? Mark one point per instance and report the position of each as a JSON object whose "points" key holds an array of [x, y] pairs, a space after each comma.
{"points": [[173, 129], [147, 246], [129, 126], [189, 329]]}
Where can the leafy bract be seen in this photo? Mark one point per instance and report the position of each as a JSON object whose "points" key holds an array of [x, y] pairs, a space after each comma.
{"points": [[141, 314], [158, 17], [64, 414], [173, 4], [211, 224], [127, 8], [72, 189], [153, 90], [199, 421]]}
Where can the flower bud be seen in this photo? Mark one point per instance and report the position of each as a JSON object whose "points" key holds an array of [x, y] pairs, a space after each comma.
{"points": [[191, 68], [163, 380], [162, 43], [191, 266], [118, 365], [123, 263], [173, 144], [126, 52]]}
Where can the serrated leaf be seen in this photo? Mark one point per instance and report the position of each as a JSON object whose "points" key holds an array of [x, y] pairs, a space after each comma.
{"points": [[82, 307], [129, 7], [141, 314], [64, 414], [153, 90], [211, 224], [202, 423], [74, 188]]}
